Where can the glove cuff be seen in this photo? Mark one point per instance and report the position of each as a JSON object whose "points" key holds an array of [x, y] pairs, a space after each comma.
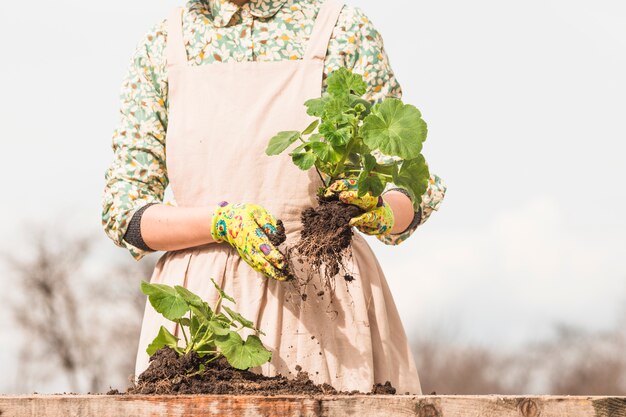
{"points": [[218, 225]]}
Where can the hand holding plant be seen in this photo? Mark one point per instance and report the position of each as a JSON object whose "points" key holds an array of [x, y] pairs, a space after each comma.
{"points": [[378, 217], [342, 144]]}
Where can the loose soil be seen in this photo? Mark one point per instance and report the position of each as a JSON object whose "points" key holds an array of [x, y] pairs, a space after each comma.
{"points": [[277, 239], [280, 236], [168, 373], [325, 239]]}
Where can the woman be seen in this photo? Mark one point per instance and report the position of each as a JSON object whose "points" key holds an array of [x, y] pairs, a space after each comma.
{"points": [[221, 77]]}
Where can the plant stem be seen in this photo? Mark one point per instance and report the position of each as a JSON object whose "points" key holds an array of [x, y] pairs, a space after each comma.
{"points": [[339, 168], [321, 178], [182, 329], [217, 304], [193, 337], [215, 357]]}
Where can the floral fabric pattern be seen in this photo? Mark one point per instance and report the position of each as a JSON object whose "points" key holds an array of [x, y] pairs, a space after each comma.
{"points": [[246, 228], [378, 218], [221, 31]]}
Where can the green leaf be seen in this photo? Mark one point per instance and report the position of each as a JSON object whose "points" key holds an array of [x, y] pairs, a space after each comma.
{"points": [[164, 338], [371, 183], [334, 111], [343, 82], [240, 354], [325, 152], [395, 128], [301, 147], [242, 320], [194, 325], [357, 102], [354, 160], [369, 162], [281, 141], [338, 137], [239, 318], [184, 322], [414, 176], [221, 317], [202, 313], [194, 302], [165, 300], [315, 106], [219, 328], [304, 160], [222, 293], [311, 128]]}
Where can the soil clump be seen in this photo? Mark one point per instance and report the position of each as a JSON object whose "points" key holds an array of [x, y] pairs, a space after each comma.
{"points": [[280, 236], [169, 374], [325, 238]]}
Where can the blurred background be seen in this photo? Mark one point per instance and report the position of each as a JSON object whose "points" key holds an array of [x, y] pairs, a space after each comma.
{"points": [[516, 285]]}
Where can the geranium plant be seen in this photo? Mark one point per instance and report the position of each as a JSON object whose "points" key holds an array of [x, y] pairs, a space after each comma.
{"points": [[348, 133], [374, 143], [205, 330]]}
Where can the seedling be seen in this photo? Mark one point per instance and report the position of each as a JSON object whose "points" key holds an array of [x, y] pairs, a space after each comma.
{"points": [[205, 331]]}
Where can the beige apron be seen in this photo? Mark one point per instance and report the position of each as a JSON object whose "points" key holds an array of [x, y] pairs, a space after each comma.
{"points": [[221, 117]]}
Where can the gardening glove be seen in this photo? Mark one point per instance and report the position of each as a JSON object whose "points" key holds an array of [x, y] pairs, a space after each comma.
{"points": [[248, 228], [378, 217]]}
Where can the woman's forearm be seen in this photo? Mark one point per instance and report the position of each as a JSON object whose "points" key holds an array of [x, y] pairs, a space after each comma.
{"points": [[167, 228], [402, 208]]}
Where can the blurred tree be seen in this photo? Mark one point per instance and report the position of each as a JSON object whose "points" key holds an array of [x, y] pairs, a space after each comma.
{"points": [[573, 362], [579, 362], [448, 367], [79, 321]]}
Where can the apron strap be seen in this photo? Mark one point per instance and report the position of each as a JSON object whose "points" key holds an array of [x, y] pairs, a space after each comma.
{"points": [[176, 54], [322, 30]]}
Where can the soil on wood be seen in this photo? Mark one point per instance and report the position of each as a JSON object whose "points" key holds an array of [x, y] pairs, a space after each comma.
{"points": [[169, 373], [325, 239], [383, 389]]}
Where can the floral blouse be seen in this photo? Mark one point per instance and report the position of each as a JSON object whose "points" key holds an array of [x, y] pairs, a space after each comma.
{"points": [[221, 31]]}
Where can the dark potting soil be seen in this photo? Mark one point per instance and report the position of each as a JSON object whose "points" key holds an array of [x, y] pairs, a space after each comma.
{"points": [[168, 374], [325, 238], [280, 236], [277, 239]]}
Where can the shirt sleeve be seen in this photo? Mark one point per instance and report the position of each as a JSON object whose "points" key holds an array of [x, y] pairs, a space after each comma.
{"points": [[137, 174], [364, 52]]}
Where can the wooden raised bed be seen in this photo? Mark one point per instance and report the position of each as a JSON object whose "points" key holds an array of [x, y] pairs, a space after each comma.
{"points": [[291, 406]]}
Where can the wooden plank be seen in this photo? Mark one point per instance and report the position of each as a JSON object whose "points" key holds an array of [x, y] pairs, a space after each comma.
{"points": [[295, 406]]}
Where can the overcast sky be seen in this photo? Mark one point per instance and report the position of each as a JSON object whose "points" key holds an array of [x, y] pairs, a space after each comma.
{"points": [[525, 102]]}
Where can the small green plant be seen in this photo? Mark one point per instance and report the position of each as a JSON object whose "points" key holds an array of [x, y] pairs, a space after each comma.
{"points": [[350, 129], [205, 331]]}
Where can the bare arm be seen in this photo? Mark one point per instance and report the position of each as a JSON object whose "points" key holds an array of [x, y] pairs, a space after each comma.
{"points": [[166, 228], [402, 210]]}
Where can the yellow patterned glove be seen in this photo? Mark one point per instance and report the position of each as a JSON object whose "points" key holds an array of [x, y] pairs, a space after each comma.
{"points": [[378, 217], [250, 229]]}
